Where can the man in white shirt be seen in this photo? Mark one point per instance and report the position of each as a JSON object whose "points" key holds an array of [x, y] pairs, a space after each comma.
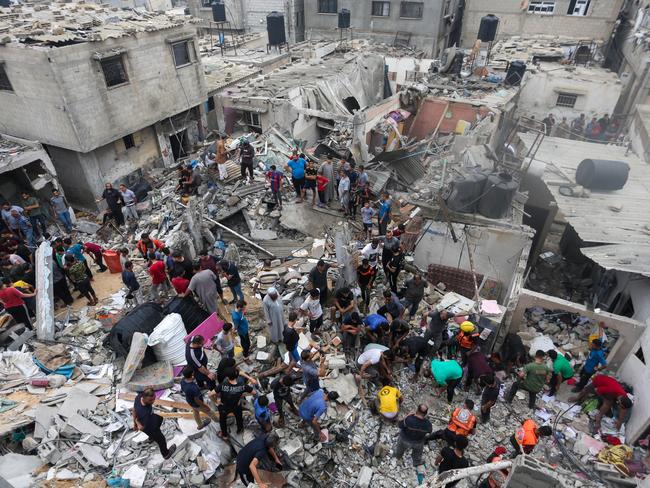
{"points": [[375, 362], [129, 199], [371, 252], [312, 308]]}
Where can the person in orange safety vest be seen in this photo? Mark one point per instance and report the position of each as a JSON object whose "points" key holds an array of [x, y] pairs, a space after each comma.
{"points": [[466, 339], [527, 436], [461, 423]]}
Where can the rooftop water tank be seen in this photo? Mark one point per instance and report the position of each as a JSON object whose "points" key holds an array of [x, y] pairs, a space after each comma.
{"points": [[497, 196], [218, 12], [466, 193], [487, 31], [344, 19], [515, 74], [602, 174], [275, 28]]}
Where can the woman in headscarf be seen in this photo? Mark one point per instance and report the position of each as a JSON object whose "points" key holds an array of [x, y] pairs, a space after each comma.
{"points": [[274, 313]]}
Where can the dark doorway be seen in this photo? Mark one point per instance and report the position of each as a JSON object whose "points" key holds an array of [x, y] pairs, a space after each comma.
{"points": [[352, 104], [178, 142]]}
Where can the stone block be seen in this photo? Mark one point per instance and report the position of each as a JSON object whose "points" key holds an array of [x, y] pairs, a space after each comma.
{"points": [[364, 478]]}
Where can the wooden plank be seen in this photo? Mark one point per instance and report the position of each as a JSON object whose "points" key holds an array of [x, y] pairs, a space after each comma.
{"points": [[158, 403]]}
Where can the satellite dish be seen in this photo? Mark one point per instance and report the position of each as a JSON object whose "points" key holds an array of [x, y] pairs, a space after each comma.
{"points": [[447, 59]]}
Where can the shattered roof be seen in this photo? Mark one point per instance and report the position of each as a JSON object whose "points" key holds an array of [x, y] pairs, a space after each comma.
{"points": [[612, 217], [406, 163], [526, 48], [61, 23], [220, 74], [631, 258], [15, 153]]}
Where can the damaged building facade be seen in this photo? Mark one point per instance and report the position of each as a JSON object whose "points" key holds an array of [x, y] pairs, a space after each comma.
{"points": [[429, 25], [122, 92], [587, 19], [250, 16]]}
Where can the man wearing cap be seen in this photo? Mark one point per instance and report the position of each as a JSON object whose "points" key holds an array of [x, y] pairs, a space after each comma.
{"points": [[466, 339], [595, 362], [532, 379]]}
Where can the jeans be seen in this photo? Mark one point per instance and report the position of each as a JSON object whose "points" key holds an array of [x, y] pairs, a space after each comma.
{"points": [[38, 221], [223, 417], [416, 446], [245, 340], [130, 212], [293, 354], [156, 435], [29, 237], [412, 305], [64, 217], [237, 293]]}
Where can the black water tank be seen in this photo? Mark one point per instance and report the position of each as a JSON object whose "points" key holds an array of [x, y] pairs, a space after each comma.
{"points": [[497, 195], [344, 19], [466, 193], [487, 31], [218, 12], [602, 174], [516, 71], [457, 64], [275, 28]]}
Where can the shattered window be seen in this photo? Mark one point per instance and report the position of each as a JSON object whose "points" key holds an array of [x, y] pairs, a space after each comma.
{"points": [[327, 6], [381, 9], [114, 71], [252, 119], [411, 10], [182, 56], [578, 7], [566, 100], [129, 142], [543, 8]]}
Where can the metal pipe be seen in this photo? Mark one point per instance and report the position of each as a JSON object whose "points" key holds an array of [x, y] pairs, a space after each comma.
{"points": [[228, 229]]}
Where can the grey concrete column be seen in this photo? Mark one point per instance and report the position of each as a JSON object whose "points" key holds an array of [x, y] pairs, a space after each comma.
{"points": [[45, 294]]}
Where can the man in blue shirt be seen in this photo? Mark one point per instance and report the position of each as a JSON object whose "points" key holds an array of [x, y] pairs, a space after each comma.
{"points": [[77, 250], [595, 362], [297, 167], [313, 407], [384, 215], [262, 412], [194, 398]]}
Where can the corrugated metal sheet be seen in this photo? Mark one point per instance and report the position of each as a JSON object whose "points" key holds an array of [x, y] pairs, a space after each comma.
{"points": [[612, 217], [623, 257], [406, 163]]}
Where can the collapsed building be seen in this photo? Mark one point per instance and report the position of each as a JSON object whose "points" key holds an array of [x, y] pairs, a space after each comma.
{"points": [[89, 83], [479, 190]]}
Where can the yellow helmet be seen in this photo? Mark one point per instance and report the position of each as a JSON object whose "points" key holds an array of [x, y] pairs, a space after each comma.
{"points": [[467, 327]]}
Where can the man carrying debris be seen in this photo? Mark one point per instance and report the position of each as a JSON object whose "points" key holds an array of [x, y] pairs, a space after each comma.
{"points": [[311, 373], [462, 423], [252, 454], [313, 407], [247, 157], [527, 436], [414, 348], [229, 394], [562, 370], [194, 398], [613, 399], [532, 379], [13, 302], [281, 388], [413, 433], [344, 304], [436, 333], [203, 284], [148, 422]]}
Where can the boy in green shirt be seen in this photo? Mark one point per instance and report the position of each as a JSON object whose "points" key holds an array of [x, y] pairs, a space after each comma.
{"points": [[562, 370], [532, 379]]}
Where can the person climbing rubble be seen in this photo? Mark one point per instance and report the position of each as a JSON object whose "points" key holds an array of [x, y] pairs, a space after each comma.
{"points": [[532, 379], [194, 398], [254, 453], [613, 400], [148, 422], [229, 394], [313, 407]]}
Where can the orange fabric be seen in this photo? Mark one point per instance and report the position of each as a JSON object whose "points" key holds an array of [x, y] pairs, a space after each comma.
{"points": [[526, 435], [156, 245], [466, 341], [458, 426]]}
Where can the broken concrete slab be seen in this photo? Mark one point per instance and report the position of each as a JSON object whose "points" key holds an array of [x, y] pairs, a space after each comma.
{"points": [[305, 220], [17, 469], [364, 478], [93, 454], [76, 400], [43, 419], [135, 356], [344, 385], [136, 475], [85, 426], [158, 376]]}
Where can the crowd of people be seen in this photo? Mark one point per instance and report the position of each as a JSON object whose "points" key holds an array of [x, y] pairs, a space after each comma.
{"points": [[603, 129], [374, 342]]}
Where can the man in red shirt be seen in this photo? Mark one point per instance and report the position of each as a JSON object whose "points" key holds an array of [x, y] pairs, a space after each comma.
{"points": [[95, 251], [613, 396], [12, 300], [159, 283]]}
